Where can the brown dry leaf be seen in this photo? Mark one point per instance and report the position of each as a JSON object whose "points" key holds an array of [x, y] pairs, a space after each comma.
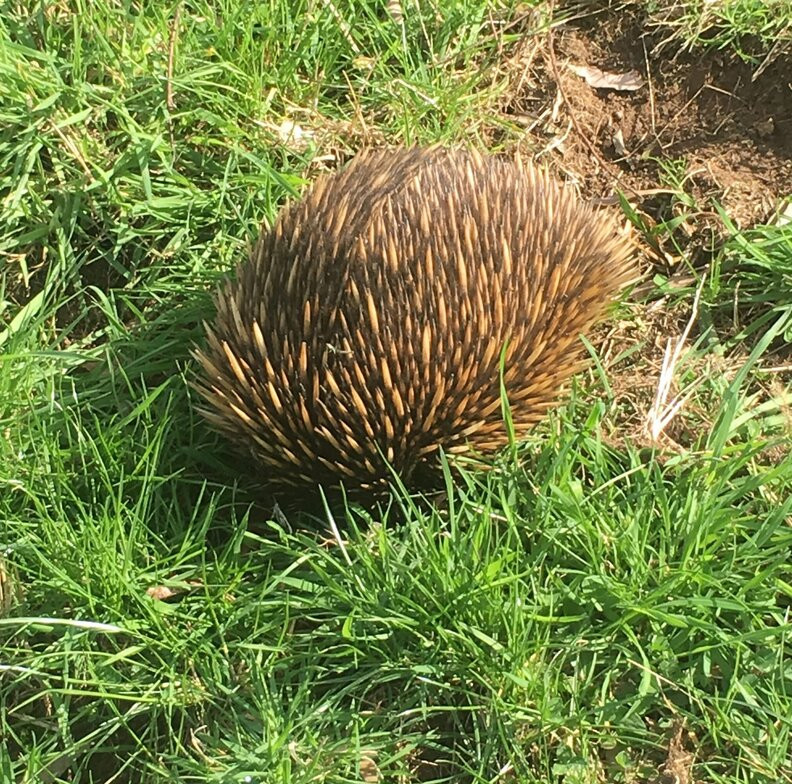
{"points": [[396, 11], [160, 592], [9, 590], [369, 771], [629, 81], [618, 144]]}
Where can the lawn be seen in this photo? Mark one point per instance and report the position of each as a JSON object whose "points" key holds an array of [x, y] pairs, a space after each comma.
{"points": [[611, 603]]}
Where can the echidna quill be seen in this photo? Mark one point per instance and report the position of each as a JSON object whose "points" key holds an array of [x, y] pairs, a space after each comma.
{"points": [[368, 324]]}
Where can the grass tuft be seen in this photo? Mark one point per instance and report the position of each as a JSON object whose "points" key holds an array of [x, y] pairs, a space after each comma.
{"points": [[594, 608]]}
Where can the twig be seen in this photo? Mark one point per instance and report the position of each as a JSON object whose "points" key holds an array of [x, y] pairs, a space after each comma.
{"points": [[651, 87], [171, 55]]}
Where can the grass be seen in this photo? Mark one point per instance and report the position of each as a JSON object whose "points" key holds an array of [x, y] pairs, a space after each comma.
{"points": [[755, 30], [593, 610]]}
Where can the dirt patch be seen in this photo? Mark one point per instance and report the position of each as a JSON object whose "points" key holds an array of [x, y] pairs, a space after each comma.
{"points": [[703, 129], [678, 766], [726, 134]]}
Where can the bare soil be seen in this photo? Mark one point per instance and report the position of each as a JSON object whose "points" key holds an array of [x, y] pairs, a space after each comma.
{"points": [[730, 122], [725, 125]]}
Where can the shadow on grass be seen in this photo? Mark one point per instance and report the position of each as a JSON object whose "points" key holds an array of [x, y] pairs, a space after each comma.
{"points": [[140, 383]]}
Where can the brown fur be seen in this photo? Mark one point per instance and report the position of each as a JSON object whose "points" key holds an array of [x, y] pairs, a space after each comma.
{"points": [[370, 320]]}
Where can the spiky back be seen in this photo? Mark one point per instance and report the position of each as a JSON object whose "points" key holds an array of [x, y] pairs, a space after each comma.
{"points": [[370, 321]]}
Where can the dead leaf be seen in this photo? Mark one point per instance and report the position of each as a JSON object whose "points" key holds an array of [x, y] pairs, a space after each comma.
{"points": [[629, 81], [396, 11], [618, 144], [160, 592], [9, 589], [368, 768]]}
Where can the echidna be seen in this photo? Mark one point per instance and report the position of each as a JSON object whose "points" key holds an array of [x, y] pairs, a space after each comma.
{"points": [[369, 323]]}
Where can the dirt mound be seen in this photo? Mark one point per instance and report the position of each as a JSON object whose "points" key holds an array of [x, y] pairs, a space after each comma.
{"points": [[729, 121]]}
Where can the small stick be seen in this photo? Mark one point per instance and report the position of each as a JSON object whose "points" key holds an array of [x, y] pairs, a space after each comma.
{"points": [[171, 55]]}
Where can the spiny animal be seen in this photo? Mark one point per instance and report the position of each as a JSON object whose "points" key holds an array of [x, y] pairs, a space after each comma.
{"points": [[369, 323]]}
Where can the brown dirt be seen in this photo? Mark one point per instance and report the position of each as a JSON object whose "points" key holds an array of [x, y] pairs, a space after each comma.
{"points": [[733, 131], [678, 766], [730, 132]]}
